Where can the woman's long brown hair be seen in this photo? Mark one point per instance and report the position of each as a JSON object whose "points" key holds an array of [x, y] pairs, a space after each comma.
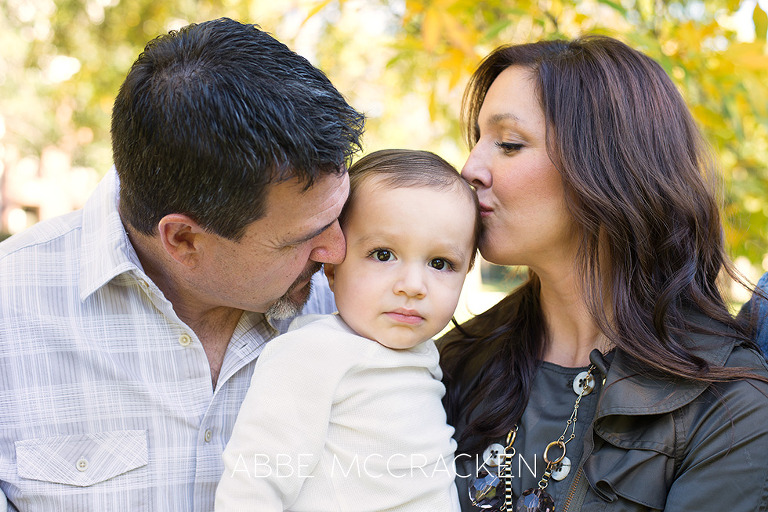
{"points": [[640, 184]]}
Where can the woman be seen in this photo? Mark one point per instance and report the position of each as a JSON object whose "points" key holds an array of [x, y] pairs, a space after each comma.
{"points": [[615, 377]]}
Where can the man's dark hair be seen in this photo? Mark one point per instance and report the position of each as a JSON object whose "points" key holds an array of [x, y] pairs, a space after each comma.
{"points": [[209, 116]]}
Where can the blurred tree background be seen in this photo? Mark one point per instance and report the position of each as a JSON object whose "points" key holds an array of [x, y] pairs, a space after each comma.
{"points": [[403, 62]]}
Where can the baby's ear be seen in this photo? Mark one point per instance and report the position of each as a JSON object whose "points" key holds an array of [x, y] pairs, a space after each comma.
{"points": [[329, 269]]}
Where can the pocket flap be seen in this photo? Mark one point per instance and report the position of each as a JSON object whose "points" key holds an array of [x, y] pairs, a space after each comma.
{"points": [[640, 476], [82, 460]]}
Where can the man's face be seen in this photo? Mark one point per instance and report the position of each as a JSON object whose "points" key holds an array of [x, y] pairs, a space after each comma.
{"points": [[269, 269]]}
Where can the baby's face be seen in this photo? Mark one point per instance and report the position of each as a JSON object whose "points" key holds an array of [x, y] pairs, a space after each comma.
{"points": [[408, 252]]}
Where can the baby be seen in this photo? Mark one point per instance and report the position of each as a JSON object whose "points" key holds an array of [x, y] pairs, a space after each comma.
{"points": [[344, 411]]}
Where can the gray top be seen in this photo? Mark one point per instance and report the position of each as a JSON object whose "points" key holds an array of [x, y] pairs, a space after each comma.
{"points": [[545, 417]]}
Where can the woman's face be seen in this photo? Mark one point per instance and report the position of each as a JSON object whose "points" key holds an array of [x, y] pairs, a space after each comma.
{"points": [[520, 191]]}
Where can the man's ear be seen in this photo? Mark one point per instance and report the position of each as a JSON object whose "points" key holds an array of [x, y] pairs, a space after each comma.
{"points": [[328, 268], [181, 238]]}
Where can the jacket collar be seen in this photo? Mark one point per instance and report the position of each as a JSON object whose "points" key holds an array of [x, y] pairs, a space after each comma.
{"points": [[631, 394]]}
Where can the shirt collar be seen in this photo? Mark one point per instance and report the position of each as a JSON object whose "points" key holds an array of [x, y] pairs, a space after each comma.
{"points": [[105, 250]]}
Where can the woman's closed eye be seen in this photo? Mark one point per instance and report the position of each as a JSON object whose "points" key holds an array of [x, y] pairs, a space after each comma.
{"points": [[509, 147]]}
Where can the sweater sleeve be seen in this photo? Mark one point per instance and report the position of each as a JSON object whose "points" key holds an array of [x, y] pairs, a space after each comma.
{"points": [[281, 428]]}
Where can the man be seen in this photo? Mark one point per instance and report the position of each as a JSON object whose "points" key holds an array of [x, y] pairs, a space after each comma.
{"points": [[129, 330]]}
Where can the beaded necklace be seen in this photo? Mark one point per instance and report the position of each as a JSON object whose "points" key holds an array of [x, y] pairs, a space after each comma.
{"points": [[486, 490]]}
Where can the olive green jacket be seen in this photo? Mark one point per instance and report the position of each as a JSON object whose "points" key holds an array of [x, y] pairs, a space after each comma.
{"points": [[676, 446]]}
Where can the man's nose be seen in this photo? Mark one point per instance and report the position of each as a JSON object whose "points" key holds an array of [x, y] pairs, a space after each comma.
{"points": [[331, 246]]}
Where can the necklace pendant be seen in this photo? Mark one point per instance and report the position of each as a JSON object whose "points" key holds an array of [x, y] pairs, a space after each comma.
{"points": [[487, 489], [535, 500]]}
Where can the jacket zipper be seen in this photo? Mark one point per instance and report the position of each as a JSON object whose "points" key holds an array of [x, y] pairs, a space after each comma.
{"points": [[576, 488]]}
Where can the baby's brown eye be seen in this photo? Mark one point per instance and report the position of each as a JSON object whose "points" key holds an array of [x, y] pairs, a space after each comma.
{"points": [[437, 264], [383, 255]]}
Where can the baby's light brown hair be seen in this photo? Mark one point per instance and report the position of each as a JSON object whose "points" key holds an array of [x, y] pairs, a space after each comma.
{"points": [[408, 168]]}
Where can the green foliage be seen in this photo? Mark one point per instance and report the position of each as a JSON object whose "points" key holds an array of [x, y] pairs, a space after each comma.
{"points": [[437, 43], [63, 63], [404, 62]]}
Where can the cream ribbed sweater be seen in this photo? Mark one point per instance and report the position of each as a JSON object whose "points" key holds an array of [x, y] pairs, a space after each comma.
{"points": [[336, 422]]}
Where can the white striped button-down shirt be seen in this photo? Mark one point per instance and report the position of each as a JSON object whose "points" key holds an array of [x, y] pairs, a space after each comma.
{"points": [[106, 401]]}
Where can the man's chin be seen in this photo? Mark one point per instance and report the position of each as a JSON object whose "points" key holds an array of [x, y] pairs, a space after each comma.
{"points": [[290, 304]]}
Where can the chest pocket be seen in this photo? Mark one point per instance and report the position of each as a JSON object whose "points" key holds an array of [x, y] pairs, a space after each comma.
{"points": [[82, 460], [633, 459]]}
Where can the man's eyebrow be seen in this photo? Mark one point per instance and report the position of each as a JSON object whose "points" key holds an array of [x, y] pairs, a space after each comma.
{"points": [[311, 235]]}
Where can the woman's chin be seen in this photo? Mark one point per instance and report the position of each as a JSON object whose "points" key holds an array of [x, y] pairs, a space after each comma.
{"points": [[494, 257]]}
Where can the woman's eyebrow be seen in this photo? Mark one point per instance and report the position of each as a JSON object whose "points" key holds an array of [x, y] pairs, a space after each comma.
{"points": [[499, 118]]}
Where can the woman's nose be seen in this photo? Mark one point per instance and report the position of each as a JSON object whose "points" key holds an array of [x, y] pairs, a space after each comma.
{"points": [[475, 170]]}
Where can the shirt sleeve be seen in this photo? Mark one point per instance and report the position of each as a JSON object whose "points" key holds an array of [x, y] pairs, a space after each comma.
{"points": [[758, 306], [280, 431]]}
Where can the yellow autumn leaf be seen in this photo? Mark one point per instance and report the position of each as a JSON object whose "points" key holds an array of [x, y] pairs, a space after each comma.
{"points": [[457, 34], [430, 29], [760, 19], [319, 6], [432, 104], [456, 63], [413, 8], [748, 56]]}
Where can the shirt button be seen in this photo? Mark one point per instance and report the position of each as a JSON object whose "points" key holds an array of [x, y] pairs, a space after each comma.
{"points": [[583, 381], [81, 465], [208, 435], [493, 455], [562, 469], [185, 340]]}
